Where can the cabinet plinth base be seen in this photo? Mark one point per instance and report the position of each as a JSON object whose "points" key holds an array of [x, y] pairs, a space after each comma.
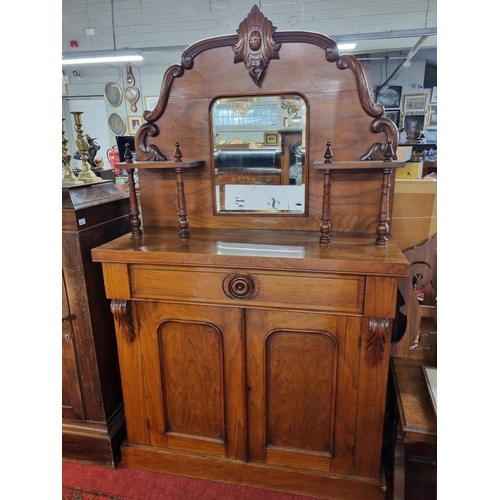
{"points": [[95, 443], [301, 482]]}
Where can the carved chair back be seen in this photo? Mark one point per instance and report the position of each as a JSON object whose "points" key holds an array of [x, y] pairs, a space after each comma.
{"points": [[418, 291]]}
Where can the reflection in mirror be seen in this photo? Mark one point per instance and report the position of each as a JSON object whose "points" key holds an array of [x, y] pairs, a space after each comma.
{"points": [[259, 154]]}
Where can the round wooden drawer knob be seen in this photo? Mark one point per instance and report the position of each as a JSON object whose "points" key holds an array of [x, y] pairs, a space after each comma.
{"points": [[239, 286]]}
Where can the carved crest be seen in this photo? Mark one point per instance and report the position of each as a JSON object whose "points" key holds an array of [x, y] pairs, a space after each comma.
{"points": [[256, 45]]}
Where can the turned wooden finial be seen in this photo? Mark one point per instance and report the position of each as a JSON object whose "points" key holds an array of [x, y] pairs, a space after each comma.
{"points": [[328, 153], [128, 155], [389, 151], [177, 153]]}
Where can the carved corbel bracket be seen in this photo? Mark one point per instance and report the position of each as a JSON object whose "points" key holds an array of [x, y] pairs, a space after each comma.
{"points": [[256, 45], [123, 318], [378, 329]]}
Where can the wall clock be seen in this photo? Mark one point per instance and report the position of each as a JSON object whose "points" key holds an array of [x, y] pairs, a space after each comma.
{"points": [[131, 92], [116, 124], [113, 94]]}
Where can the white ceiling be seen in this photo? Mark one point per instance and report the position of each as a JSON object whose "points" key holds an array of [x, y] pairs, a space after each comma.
{"points": [[162, 29]]}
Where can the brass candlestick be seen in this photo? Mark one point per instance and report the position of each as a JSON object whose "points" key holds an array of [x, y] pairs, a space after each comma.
{"points": [[86, 175], [69, 178]]}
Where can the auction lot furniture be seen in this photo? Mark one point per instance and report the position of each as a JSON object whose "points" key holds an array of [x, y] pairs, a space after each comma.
{"points": [[93, 423], [416, 420], [254, 341], [413, 367]]}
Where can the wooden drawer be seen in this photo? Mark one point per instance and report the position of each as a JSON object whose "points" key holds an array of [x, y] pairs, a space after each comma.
{"points": [[259, 289]]}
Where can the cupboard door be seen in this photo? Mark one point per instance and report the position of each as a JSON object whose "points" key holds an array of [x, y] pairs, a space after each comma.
{"points": [[192, 357], [302, 386], [72, 401]]}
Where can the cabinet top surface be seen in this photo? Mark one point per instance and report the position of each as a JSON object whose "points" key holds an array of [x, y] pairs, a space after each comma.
{"points": [[257, 249], [88, 195]]}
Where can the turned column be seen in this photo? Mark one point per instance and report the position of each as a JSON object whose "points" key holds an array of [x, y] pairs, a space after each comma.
{"points": [[135, 221]]}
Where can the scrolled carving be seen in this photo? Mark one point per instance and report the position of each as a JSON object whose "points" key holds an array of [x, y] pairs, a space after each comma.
{"points": [[174, 71], [123, 318], [377, 151], [256, 46], [187, 58], [149, 152], [349, 61], [378, 329], [323, 41]]}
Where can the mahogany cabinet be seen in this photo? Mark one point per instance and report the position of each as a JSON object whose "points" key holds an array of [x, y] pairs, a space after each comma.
{"points": [[254, 343], [93, 425], [258, 361]]}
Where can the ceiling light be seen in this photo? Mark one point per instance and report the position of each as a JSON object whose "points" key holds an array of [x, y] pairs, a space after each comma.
{"points": [[346, 46], [101, 59]]}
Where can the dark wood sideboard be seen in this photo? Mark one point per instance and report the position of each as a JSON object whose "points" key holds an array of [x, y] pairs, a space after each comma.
{"points": [[254, 347], [93, 422]]}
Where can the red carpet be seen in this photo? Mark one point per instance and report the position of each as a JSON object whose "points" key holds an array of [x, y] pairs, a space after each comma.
{"points": [[78, 494], [101, 483]]}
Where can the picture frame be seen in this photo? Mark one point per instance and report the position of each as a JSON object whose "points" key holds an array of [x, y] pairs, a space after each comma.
{"points": [[150, 102], [414, 124], [394, 115], [113, 94], [134, 122], [431, 136], [414, 103], [390, 98], [271, 139], [433, 116], [434, 95], [116, 124], [64, 87]]}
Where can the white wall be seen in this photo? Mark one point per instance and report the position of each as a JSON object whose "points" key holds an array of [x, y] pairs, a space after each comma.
{"points": [[148, 80], [153, 23]]}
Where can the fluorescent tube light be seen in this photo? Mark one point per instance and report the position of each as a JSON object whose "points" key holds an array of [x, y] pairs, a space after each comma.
{"points": [[102, 59], [346, 46]]}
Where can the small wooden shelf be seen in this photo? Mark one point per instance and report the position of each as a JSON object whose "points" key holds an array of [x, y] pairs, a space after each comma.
{"points": [[356, 165], [169, 164], [387, 167], [178, 166]]}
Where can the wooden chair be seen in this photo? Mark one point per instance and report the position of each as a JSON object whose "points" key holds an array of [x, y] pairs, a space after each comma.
{"points": [[414, 419]]}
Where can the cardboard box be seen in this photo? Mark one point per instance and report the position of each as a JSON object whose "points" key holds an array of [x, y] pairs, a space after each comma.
{"points": [[404, 153], [411, 170], [414, 213]]}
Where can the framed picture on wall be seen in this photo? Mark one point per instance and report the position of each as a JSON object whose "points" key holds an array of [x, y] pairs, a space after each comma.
{"points": [[414, 125], [414, 103], [113, 94], [389, 98], [64, 87], [150, 102], [393, 114], [434, 95], [116, 124], [431, 137], [433, 116], [270, 138], [134, 122]]}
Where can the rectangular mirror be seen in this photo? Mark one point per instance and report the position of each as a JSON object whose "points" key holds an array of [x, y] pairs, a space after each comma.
{"points": [[259, 154]]}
